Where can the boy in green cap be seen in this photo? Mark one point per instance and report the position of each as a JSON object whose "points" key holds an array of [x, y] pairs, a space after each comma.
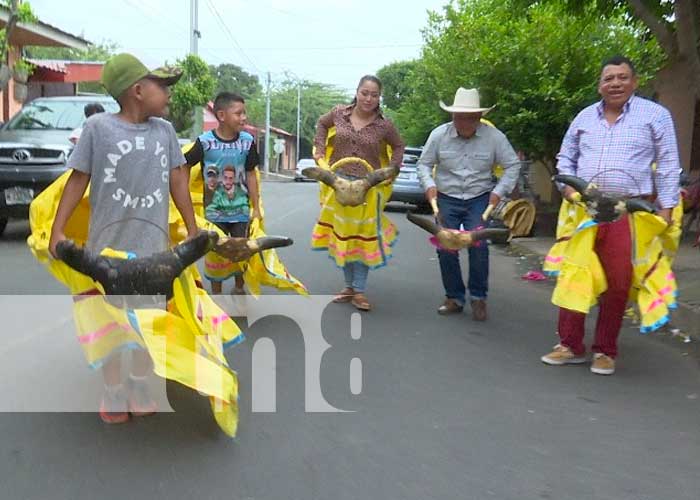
{"points": [[132, 162]]}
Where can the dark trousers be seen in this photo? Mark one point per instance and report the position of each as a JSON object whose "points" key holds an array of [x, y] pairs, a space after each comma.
{"points": [[455, 212]]}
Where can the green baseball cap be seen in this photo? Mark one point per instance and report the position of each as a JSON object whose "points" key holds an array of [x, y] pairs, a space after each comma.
{"points": [[123, 70]]}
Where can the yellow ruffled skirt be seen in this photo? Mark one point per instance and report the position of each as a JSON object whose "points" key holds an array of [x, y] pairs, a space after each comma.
{"points": [[186, 340], [355, 234], [581, 278]]}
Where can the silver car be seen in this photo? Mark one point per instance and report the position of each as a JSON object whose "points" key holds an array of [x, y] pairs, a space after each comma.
{"points": [[301, 165], [407, 187], [34, 147]]}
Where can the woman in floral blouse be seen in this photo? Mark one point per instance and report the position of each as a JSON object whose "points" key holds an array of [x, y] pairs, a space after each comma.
{"points": [[357, 238]]}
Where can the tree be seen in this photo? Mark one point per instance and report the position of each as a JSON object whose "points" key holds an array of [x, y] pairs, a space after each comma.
{"points": [[232, 78], [539, 69], [397, 81], [675, 24], [94, 52], [194, 89], [316, 99], [19, 12]]}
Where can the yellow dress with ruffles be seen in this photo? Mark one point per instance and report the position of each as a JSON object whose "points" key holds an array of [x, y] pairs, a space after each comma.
{"points": [[580, 276], [355, 234], [186, 341]]}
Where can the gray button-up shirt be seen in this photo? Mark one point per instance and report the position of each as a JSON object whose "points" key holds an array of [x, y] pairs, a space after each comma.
{"points": [[464, 166]]}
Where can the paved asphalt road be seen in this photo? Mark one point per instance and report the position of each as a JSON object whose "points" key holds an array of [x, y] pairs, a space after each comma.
{"points": [[448, 408]]}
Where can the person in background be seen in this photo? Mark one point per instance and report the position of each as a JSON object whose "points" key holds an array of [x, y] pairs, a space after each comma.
{"points": [[88, 110]]}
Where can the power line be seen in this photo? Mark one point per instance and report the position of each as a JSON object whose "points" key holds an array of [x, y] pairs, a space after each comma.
{"points": [[225, 27], [296, 49]]}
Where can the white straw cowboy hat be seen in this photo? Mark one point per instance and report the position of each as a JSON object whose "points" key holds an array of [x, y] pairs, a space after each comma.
{"points": [[466, 101]]}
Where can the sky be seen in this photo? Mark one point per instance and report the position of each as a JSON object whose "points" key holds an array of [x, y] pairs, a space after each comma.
{"points": [[330, 41]]}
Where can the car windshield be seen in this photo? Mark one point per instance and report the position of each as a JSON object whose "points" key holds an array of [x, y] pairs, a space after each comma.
{"points": [[51, 115], [411, 155]]}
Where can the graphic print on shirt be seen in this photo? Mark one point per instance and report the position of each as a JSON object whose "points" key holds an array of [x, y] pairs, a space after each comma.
{"points": [[225, 186], [127, 148]]}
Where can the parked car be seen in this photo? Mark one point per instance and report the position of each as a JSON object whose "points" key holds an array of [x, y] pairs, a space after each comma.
{"points": [[407, 188], [34, 147], [301, 165]]}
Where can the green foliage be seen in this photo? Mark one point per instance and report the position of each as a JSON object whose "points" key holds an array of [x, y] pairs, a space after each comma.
{"points": [[22, 66], [24, 14], [316, 99], [232, 78], [195, 88], [540, 68], [95, 52], [397, 81]]}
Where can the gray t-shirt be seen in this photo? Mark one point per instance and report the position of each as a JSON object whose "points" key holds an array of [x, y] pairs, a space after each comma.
{"points": [[129, 165]]}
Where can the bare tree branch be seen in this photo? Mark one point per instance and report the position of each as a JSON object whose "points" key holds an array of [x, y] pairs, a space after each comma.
{"points": [[658, 28]]}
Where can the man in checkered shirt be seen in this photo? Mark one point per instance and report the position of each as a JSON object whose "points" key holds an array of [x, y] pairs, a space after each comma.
{"points": [[614, 143]]}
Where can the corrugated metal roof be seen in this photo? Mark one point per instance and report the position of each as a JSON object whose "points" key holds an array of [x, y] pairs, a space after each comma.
{"points": [[50, 64]]}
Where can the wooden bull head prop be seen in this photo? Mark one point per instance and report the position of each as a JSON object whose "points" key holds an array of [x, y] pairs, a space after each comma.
{"points": [[240, 249], [350, 193], [457, 240], [604, 207], [153, 275]]}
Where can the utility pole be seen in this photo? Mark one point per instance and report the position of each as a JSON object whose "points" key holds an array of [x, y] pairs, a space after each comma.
{"points": [[266, 166], [195, 35], [298, 117]]}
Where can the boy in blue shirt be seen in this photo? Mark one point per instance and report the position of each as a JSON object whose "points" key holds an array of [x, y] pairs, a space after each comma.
{"points": [[229, 158]]}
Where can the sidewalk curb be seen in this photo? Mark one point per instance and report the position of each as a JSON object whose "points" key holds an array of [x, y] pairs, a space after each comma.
{"points": [[275, 177], [686, 317]]}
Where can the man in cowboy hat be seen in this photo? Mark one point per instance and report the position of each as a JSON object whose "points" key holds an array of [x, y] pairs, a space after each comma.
{"points": [[464, 152]]}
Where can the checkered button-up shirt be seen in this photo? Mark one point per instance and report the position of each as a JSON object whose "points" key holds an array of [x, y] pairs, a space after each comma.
{"points": [[619, 158]]}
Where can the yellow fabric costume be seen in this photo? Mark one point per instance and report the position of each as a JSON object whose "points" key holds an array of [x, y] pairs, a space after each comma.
{"points": [[186, 341], [355, 234], [580, 276], [262, 269]]}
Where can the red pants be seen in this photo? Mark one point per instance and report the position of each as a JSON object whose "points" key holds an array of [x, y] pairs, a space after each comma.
{"points": [[613, 245]]}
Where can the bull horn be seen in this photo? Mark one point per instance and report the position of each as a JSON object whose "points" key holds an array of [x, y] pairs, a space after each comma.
{"points": [[424, 223], [493, 234], [380, 175], [639, 205], [189, 251], [320, 174], [268, 242], [571, 180], [76, 257]]}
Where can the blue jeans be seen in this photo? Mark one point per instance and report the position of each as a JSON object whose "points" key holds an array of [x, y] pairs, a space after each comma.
{"points": [[356, 276], [455, 212]]}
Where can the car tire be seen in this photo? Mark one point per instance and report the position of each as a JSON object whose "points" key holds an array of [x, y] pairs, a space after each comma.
{"points": [[3, 224]]}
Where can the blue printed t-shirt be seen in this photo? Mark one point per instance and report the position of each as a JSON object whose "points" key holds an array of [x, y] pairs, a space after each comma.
{"points": [[224, 167]]}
